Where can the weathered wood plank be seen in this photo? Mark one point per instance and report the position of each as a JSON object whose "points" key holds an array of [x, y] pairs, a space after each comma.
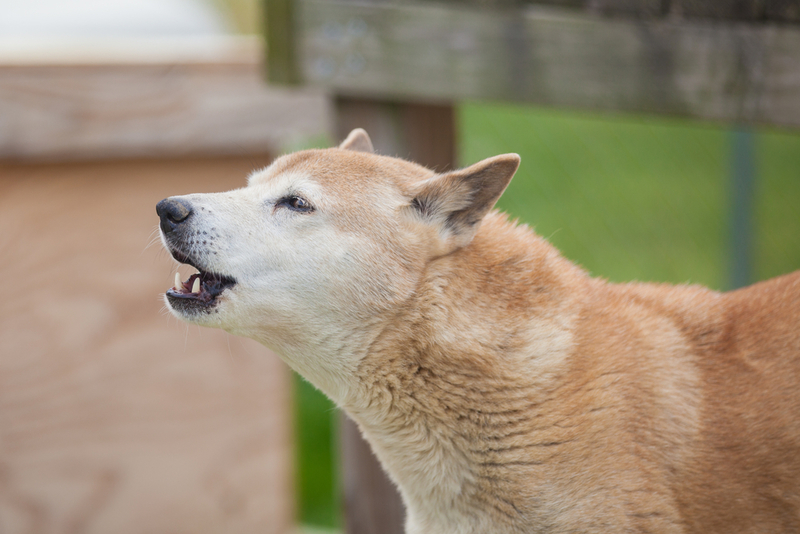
{"points": [[632, 8], [553, 57], [782, 10], [778, 98], [756, 11], [746, 10], [70, 108]]}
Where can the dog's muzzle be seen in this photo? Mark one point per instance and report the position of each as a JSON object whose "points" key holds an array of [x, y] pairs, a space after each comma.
{"points": [[200, 291]]}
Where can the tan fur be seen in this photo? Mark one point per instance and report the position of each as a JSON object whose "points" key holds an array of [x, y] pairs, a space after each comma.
{"points": [[503, 389]]}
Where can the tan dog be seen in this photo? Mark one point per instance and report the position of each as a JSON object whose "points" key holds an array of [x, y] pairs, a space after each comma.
{"points": [[503, 389]]}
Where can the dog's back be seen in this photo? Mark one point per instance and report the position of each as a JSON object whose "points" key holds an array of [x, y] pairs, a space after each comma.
{"points": [[749, 452], [718, 402]]}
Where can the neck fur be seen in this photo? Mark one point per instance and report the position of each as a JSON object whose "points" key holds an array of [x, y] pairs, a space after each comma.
{"points": [[479, 344]]}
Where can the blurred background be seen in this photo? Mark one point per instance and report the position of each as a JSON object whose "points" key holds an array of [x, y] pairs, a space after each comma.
{"points": [[680, 165]]}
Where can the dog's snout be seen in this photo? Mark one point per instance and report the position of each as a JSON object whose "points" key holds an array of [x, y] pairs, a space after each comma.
{"points": [[173, 212]]}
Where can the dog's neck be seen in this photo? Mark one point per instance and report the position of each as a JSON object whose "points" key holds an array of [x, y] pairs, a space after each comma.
{"points": [[486, 327]]}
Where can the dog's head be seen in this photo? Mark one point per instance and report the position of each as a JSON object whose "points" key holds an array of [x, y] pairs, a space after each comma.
{"points": [[321, 241]]}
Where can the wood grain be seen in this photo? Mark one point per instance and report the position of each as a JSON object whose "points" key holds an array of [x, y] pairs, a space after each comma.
{"points": [[104, 108], [115, 417], [783, 10], [551, 56], [719, 9]]}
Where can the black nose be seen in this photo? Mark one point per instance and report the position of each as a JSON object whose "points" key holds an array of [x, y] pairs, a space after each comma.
{"points": [[173, 212]]}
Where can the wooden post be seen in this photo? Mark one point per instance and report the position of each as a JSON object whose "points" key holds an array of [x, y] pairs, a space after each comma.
{"points": [[424, 133]]}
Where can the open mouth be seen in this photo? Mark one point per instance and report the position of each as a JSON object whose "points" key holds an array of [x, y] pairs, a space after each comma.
{"points": [[200, 290]]}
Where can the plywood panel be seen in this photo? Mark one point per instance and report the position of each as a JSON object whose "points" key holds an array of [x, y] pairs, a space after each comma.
{"points": [[115, 417]]}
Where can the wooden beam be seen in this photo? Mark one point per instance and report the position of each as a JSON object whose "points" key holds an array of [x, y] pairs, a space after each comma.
{"points": [[720, 9], [648, 9], [783, 10], [88, 104], [551, 56]]}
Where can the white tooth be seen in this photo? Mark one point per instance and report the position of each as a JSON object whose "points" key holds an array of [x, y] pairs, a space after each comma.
{"points": [[178, 283], [196, 285]]}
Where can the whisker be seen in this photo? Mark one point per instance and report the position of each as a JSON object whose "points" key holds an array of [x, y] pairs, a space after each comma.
{"points": [[153, 238], [244, 347], [152, 242], [230, 352]]}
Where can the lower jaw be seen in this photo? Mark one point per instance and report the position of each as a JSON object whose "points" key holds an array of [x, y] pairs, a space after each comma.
{"points": [[191, 307]]}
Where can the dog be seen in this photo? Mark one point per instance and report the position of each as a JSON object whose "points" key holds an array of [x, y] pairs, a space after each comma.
{"points": [[502, 388]]}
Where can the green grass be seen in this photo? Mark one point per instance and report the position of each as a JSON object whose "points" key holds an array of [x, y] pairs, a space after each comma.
{"points": [[640, 198], [315, 434], [777, 208], [627, 198]]}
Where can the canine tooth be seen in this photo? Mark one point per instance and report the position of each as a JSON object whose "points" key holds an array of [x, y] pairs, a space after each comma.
{"points": [[196, 285], [178, 283]]}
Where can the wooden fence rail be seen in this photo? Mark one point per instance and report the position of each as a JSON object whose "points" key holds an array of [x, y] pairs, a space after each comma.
{"points": [[698, 67]]}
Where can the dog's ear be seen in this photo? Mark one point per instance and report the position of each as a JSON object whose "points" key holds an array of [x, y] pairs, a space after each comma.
{"points": [[358, 140], [457, 201]]}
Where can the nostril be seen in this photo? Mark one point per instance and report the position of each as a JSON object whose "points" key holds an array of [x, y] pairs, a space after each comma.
{"points": [[172, 212], [173, 217]]}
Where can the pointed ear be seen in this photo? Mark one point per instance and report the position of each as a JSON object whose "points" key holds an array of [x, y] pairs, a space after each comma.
{"points": [[457, 201], [358, 140]]}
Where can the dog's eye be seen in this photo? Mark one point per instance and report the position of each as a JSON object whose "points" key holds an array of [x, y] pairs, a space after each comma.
{"points": [[296, 203]]}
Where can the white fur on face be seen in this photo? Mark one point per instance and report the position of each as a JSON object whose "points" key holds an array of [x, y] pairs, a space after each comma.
{"points": [[303, 280]]}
